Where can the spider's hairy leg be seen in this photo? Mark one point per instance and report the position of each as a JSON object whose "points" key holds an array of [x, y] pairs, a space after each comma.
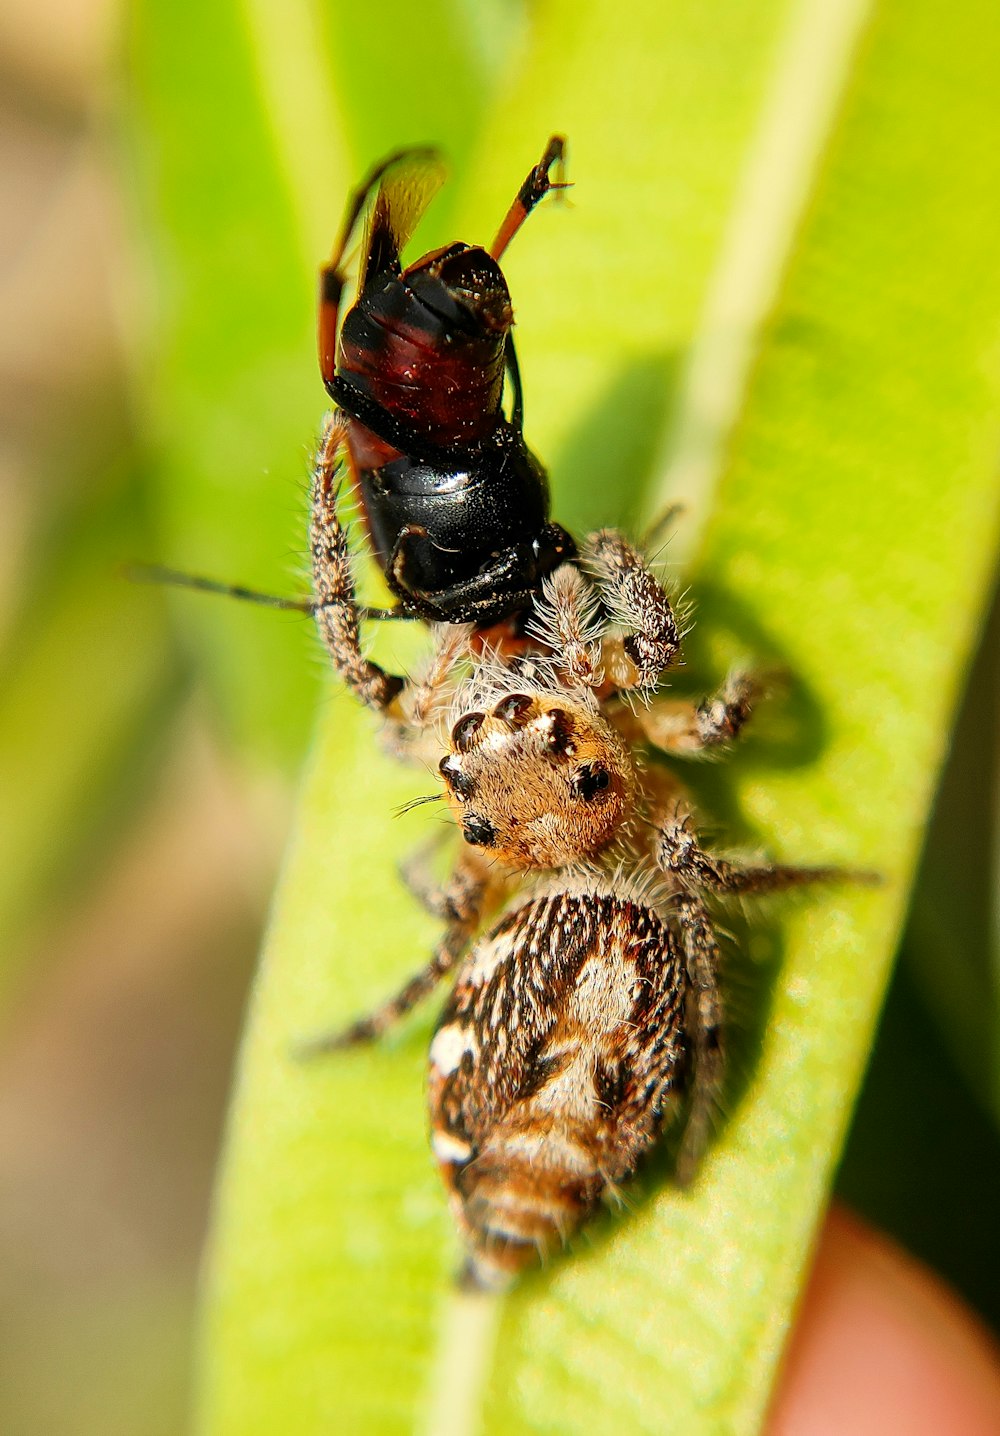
{"points": [[567, 620], [678, 726], [429, 694], [449, 949], [678, 852], [411, 735], [464, 898], [705, 1019], [336, 609], [460, 898], [636, 599]]}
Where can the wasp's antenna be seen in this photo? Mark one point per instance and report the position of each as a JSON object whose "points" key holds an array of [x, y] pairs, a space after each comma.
{"points": [[174, 578]]}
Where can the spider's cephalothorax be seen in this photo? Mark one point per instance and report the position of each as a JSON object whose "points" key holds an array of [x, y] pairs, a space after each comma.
{"points": [[456, 505], [539, 781], [587, 1005]]}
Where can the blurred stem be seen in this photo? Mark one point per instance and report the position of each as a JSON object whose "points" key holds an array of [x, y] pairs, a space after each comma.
{"points": [[953, 937], [943, 1146], [81, 697]]}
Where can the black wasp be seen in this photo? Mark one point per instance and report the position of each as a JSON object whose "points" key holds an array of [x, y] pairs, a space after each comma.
{"points": [[455, 504]]}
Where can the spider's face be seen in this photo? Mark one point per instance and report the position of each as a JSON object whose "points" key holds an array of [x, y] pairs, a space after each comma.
{"points": [[538, 782]]}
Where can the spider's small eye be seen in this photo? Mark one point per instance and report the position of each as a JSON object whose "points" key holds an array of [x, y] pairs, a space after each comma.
{"points": [[590, 780], [478, 832], [559, 733], [458, 781], [515, 709], [466, 730]]}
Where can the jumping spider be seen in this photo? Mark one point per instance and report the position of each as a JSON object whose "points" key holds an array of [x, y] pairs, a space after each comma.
{"points": [[586, 1005]]}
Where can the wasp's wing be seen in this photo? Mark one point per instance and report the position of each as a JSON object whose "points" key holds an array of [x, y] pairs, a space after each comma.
{"points": [[403, 185], [407, 182]]}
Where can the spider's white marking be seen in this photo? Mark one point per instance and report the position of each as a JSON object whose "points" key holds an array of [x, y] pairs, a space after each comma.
{"points": [[488, 957], [449, 1046], [450, 1149], [550, 1149]]}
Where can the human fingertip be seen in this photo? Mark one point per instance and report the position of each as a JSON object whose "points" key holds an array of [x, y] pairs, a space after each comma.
{"points": [[882, 1346]]}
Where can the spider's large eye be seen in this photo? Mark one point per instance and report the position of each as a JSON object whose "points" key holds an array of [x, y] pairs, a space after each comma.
{"points": [[589, 780], [478, 832], [466, 731], [515, 709]]}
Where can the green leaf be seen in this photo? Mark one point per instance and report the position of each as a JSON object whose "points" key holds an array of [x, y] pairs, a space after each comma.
{"points": [[420, 78], [850, 539]]}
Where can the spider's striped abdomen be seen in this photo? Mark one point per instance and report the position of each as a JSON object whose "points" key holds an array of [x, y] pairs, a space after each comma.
{"points": [[550, 1070]]}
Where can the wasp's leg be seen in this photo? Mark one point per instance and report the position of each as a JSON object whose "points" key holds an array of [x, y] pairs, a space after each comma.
{"points": [[336, 608], [177, 578], [638, 601], [705, 1017], [534, 189], [678, 852], [464, 897], [686, 728], [513, 369], [331, 276]]}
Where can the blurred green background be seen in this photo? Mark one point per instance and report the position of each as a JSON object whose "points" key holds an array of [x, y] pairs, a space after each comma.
{"points": [[159, 400]]}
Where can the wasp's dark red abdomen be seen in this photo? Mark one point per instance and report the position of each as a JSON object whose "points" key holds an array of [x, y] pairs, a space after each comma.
{"points": [[429, 345]]}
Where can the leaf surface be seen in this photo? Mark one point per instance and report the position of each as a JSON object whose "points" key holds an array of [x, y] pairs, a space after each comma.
{"points": [[850, 542]]}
